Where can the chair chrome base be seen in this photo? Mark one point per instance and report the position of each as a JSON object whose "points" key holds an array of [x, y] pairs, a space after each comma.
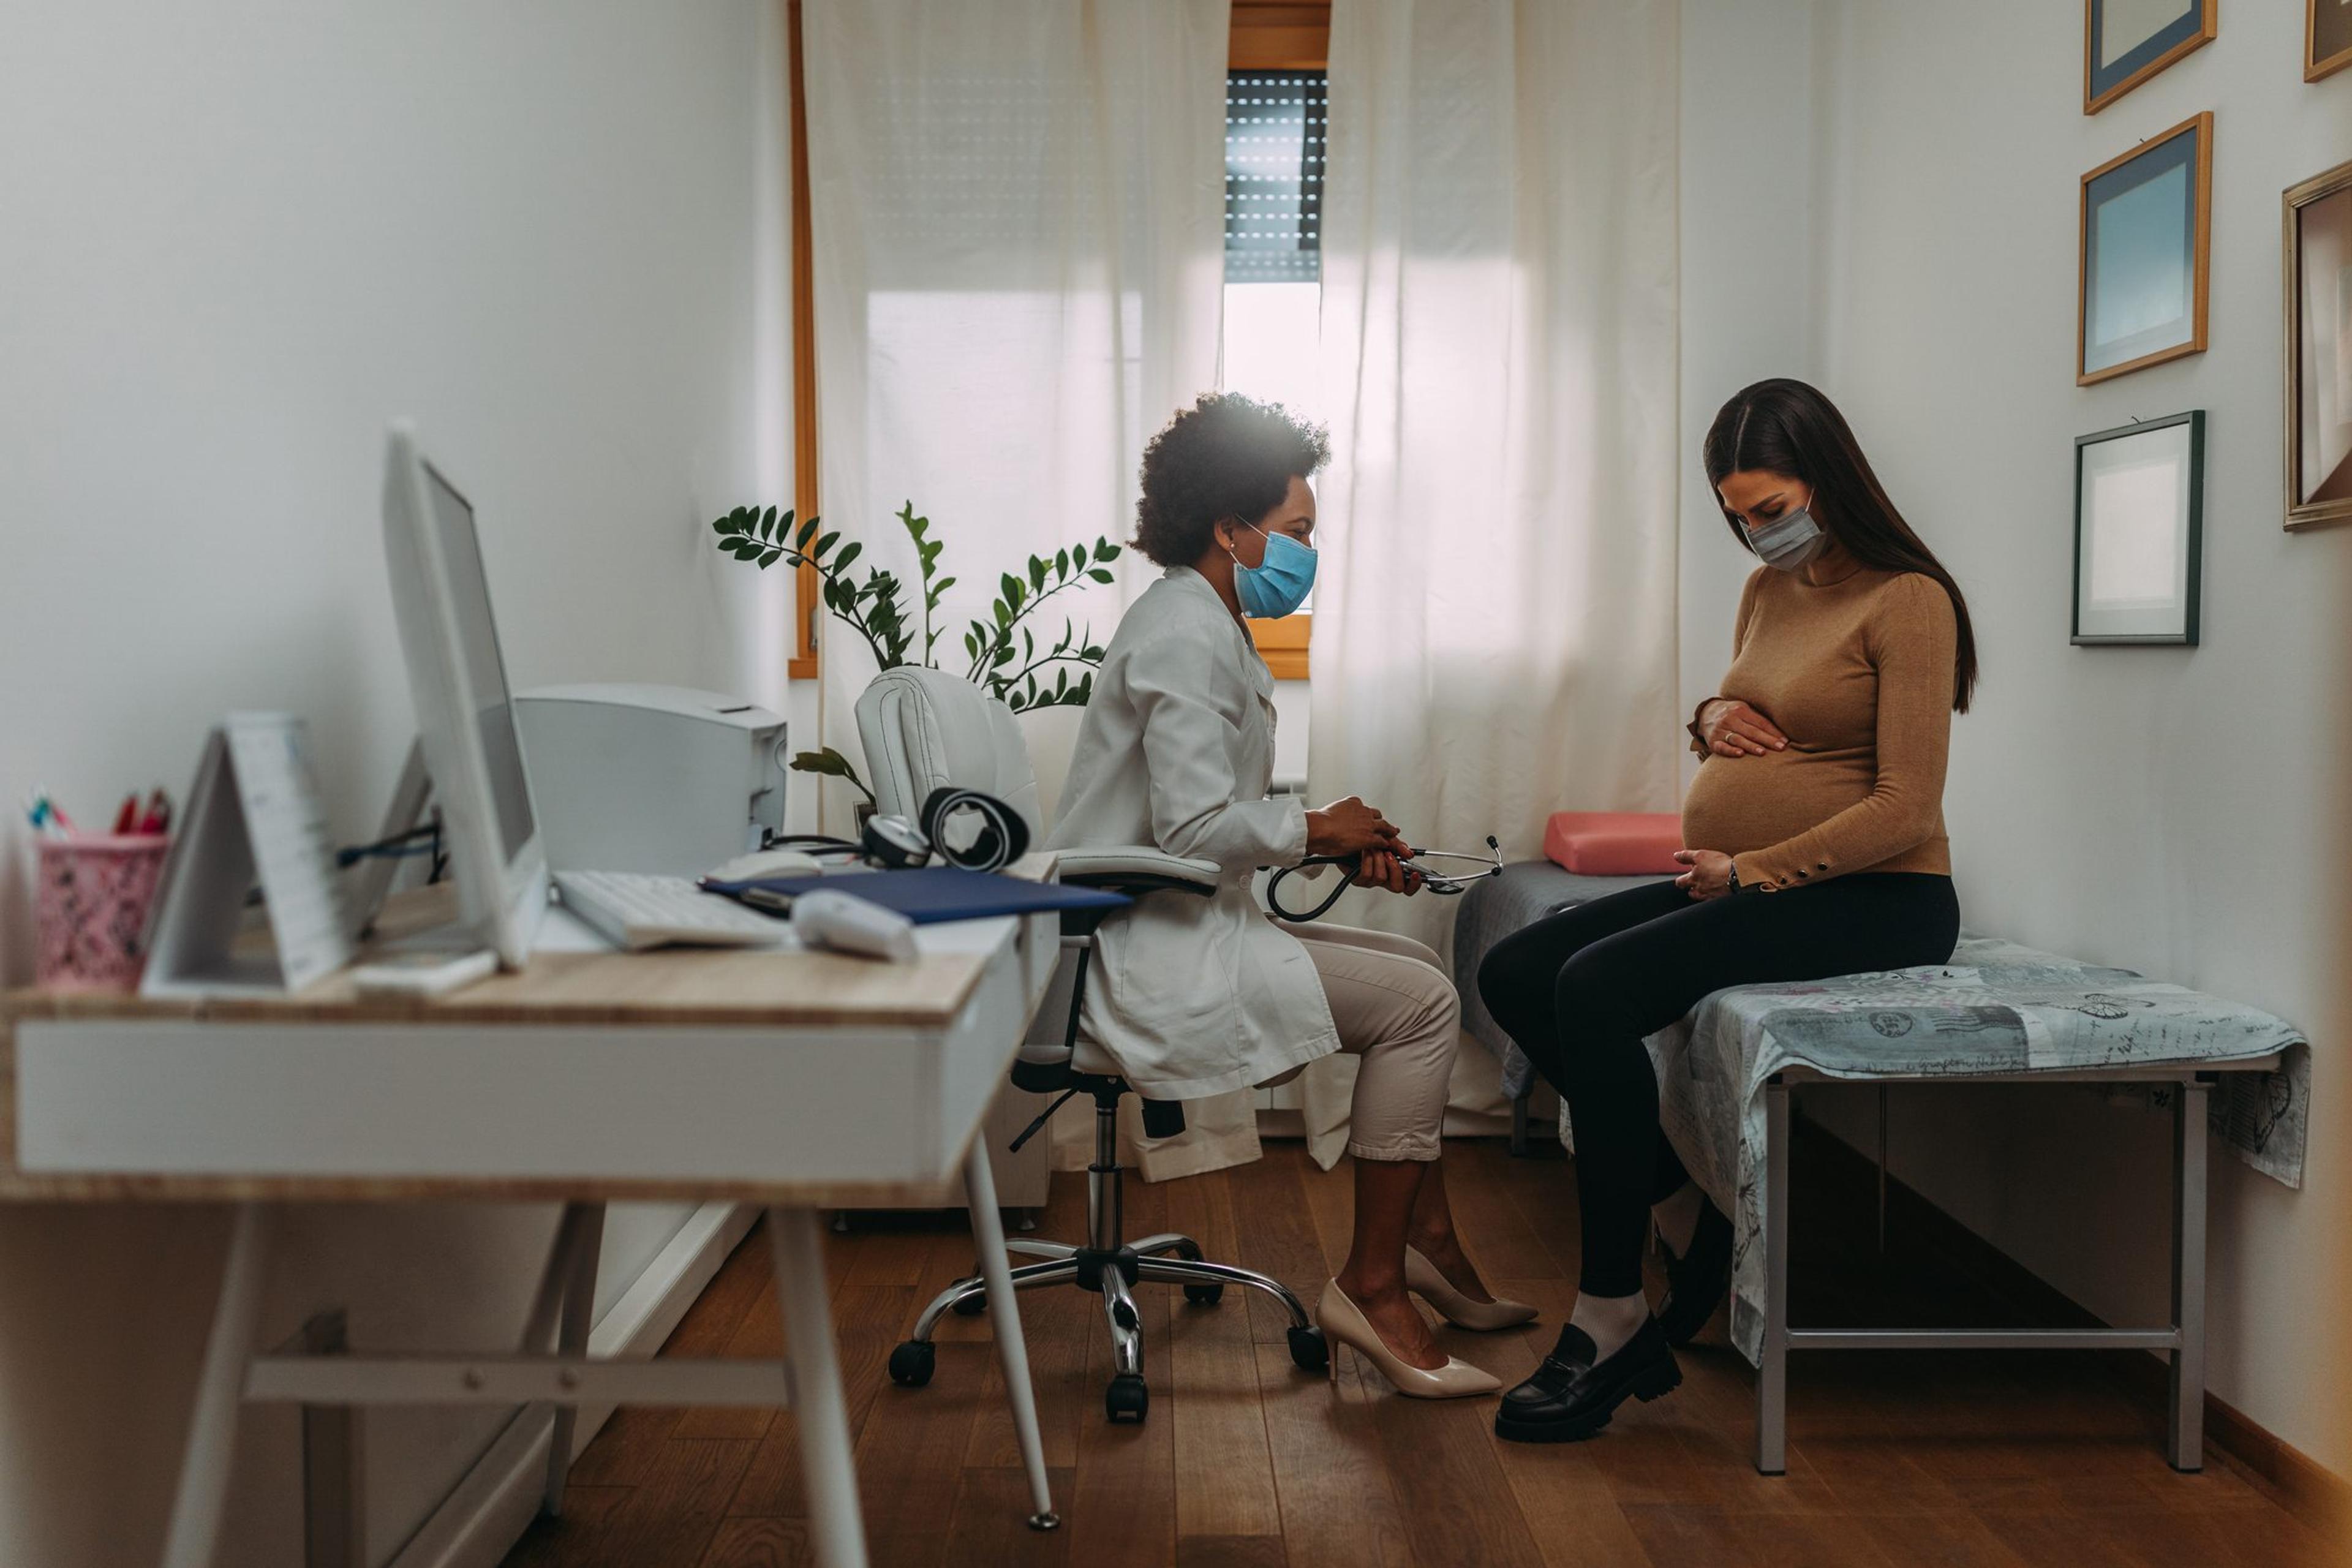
{"points": [[1111, 1269]]}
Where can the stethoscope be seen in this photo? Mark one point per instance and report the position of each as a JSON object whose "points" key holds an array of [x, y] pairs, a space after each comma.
{"points": [[1445, 884]]}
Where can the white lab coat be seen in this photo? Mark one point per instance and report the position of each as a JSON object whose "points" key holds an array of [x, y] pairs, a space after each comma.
{"points": [[1191, 996]]}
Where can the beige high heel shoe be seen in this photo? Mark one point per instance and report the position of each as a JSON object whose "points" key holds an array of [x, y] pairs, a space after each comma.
{"points": [[1342, 1321], [1422, 1277]]}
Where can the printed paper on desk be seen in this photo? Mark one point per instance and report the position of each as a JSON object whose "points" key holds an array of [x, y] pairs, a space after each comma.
{"points": [[254, 814]]}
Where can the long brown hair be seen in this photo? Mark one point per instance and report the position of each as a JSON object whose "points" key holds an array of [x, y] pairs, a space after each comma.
{"points": [[1785, 427]]}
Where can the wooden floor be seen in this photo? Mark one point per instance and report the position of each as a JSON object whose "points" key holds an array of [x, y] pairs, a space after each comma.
{"points": [[1949, 1457]]}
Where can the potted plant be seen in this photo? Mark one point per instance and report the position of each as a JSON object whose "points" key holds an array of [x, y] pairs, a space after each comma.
{"points": [[1001, 648]]}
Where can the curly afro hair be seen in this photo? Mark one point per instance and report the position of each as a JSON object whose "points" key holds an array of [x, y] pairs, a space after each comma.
{"points": [[1226, 456]]}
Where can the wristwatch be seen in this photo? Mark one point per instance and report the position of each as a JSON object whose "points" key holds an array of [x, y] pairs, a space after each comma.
{"points": [[1734, 874]]}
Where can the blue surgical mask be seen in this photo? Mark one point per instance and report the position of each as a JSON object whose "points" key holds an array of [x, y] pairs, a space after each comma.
{"points": [[1279, 582], [1790, 541]]}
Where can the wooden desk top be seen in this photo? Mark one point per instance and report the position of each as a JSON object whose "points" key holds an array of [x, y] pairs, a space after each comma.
{"points": [[787, 991], [682, 986]]}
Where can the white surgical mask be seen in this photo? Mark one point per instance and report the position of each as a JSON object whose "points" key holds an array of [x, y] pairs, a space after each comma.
{"points": [[1790, 541]]}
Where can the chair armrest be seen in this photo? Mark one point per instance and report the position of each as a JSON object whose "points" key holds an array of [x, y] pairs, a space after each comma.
{"points": [[1137, 868]]}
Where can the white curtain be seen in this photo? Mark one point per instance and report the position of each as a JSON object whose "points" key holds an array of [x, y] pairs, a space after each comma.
{"points": [[1017, 210], [1494, 632], [1495, 621]]}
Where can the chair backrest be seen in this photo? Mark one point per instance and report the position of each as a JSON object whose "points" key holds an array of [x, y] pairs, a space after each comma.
{"points": [[925, 728]]}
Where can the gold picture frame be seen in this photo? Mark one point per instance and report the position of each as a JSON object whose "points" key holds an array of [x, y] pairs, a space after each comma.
{"points": [[2164, 152], [2105, 80], [2318, 381], [2339, 40]]}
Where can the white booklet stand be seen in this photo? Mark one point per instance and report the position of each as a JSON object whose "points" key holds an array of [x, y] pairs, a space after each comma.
{"points": [[254, 818]]}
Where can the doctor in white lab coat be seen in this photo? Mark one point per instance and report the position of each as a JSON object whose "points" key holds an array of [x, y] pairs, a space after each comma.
{"points": [[1201, 996]]}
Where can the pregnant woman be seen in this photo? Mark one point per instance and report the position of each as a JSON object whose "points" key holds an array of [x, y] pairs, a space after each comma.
{"points": [[1815, 847]]}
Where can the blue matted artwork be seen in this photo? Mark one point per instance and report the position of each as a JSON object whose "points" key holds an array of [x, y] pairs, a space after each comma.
{"points": [[2125, 42], [2144, 244]]}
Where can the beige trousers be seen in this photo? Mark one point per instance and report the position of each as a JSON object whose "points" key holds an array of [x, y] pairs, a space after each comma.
{"points": [[1400, 1017]]}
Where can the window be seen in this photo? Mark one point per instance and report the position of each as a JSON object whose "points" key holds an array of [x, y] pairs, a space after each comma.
{"points": [[1275, 122]]}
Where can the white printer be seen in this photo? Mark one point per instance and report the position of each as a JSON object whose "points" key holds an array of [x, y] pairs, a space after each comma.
{"points": [[657, 779]]}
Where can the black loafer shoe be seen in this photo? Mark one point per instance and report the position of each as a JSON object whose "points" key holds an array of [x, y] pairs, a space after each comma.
{"points": [[1696, 1282], [1571, 1398]]}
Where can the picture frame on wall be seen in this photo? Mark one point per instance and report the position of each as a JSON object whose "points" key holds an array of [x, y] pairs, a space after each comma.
{"points": [[2317, 292], [2326, 38], [2139, 523], [2125, 42], [2146, 238]]}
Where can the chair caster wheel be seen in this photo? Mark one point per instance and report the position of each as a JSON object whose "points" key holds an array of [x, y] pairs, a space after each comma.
{"points": [[969, 1307], [1126, 1400], [1309, 1351], [912, 1363], [1204, 1295]]}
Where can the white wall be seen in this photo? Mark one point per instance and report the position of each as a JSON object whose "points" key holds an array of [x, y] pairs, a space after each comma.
{"points": [[237, 238], [2174, 811], [1748, 212]]}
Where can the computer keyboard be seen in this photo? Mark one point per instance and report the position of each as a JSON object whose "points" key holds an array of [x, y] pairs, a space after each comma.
{"points": [[639, 912]]}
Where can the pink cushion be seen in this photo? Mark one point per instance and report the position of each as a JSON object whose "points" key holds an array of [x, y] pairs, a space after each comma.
{"points": [[1613, 843]]}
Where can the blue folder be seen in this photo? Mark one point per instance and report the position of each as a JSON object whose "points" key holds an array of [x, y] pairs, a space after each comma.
{"points": [[927, 896]]}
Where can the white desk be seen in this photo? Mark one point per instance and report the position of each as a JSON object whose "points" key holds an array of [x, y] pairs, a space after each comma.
{"points": [[799, 1081]]}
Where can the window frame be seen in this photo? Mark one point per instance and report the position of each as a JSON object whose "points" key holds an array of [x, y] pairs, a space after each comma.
{"points": [[1281, 34]]}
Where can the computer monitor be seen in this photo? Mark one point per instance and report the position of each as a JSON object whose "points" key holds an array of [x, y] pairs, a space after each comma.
{"points": [[465, 713]]}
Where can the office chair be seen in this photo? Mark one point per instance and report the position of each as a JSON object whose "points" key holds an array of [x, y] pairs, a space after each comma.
{"points": [[923, 729]]}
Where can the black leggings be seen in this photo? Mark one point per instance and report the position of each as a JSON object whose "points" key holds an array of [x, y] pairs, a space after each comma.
{"points": [[1579, 990]]}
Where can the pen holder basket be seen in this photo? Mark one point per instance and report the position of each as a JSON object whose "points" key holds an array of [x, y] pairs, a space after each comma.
{"points": [[90, 910]]}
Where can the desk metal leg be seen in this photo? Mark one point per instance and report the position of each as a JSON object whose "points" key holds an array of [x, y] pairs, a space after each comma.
{"points": [[1004, 1320], [578, 1242], [1772, 1374], [826, 1461], [220, 1389], [2184, 1444]]}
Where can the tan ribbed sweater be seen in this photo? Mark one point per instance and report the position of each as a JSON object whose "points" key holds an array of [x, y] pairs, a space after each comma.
{"points": [[1858, 674]]}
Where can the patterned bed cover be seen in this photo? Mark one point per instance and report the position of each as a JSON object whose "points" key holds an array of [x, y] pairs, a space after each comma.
{"points": [[1996, 1008]]}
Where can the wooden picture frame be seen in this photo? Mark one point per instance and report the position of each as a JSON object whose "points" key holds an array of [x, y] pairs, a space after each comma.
{"points": [[2318, 357], [2191, 29], [2143, 173], [2124, 598], [2326, 38]]}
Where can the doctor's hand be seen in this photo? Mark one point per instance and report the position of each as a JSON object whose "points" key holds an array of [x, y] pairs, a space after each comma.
{"points": [[1348, 827], [1733, 728], [1709, 876], [1390, 869]]}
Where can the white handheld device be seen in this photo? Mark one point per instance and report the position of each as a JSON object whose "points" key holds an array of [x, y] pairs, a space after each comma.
{"points": [[844, 924]]}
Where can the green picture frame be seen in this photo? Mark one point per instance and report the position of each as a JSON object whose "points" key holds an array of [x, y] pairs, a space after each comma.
{"points": [[2139, 526]]}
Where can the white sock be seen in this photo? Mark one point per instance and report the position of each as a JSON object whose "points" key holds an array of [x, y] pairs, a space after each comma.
{"points": [[1678, 1217], [1610, 1320]]}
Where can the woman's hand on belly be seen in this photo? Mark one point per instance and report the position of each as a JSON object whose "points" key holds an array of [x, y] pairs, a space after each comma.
{"points": [[1709, 876], [1732, 728]]}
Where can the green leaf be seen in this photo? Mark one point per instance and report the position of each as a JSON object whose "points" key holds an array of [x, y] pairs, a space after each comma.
{"points": [[848, 553], [942, 586], [825, 542], [1061, 563], [807, 531], [1037, 571], [723, 527], [1101, 576], [1106, 550], [1009, 587], [770, 558], [767, 523]]}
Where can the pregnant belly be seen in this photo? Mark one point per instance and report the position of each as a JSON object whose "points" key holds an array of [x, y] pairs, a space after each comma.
{"points": [[1739, 803]]}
